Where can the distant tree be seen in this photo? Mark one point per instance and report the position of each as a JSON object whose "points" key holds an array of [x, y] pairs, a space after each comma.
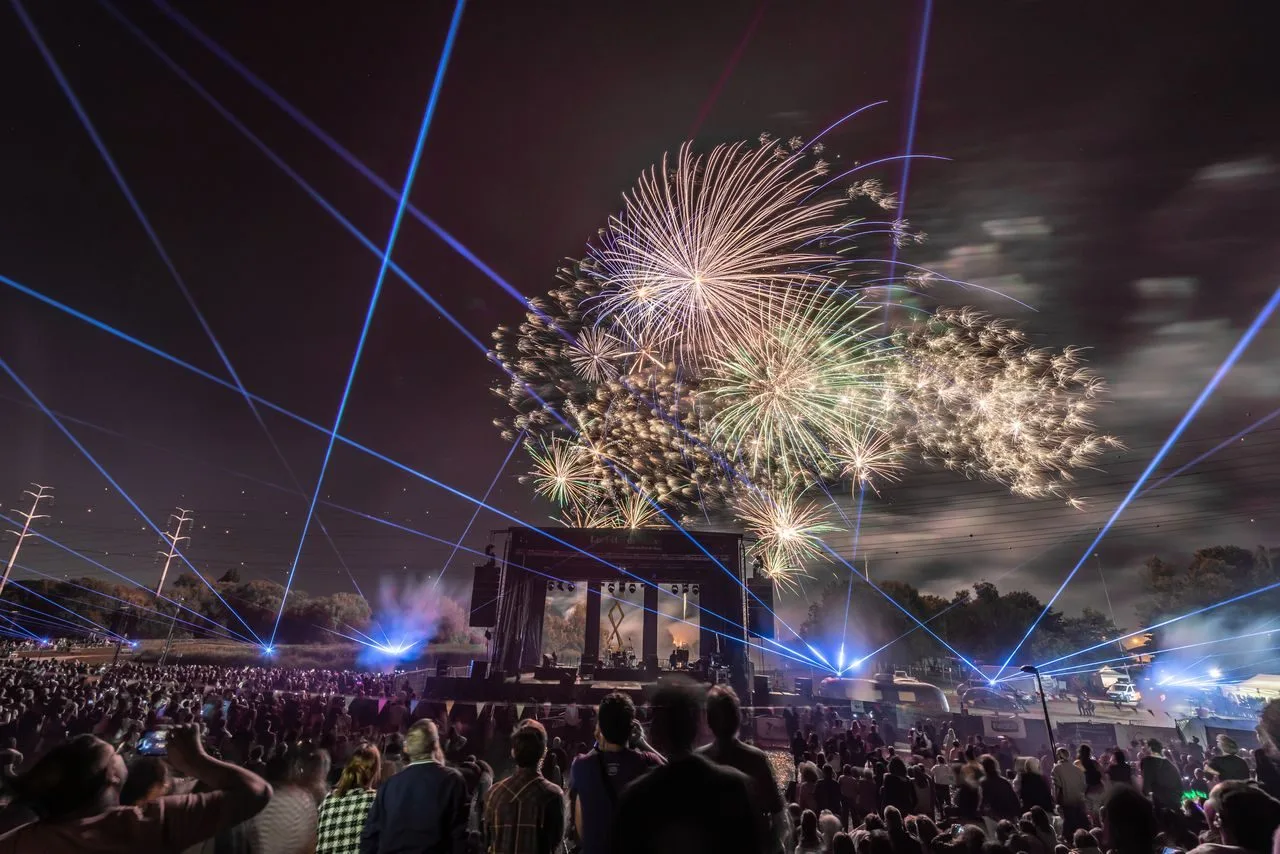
{"points": [[231, 576]]}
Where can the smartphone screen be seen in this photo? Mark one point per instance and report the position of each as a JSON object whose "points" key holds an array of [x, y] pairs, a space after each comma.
{"points": [[154, 743]]}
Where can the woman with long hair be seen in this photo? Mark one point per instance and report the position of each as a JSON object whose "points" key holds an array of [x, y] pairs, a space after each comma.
{"points": [[809, 841], [343, 811]]}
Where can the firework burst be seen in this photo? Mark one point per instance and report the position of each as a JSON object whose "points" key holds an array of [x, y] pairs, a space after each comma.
{"points": [[562, 471], [712, 354], [781, 395], [788, 527], [703, 240]]}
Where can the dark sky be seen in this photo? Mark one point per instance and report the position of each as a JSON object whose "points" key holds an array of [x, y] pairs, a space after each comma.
{"points": [[1135, 153]]}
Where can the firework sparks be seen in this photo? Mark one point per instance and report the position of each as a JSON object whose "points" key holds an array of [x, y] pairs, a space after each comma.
{"points": [[789, 528], [562, 471], [702, 241], [781, 396], [867, 456], [983, 402], [712, 356], [636, 510]]}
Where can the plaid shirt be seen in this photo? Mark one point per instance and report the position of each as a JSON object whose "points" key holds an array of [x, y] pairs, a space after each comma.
{"points": [[341, 820], [524, 814]]}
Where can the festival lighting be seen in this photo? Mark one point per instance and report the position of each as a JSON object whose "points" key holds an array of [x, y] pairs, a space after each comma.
{"points": [[1215, 673], [60, 607], [168, 262], [1271, 416], [434, 98], [1247, 338], [279, 162], [475, 513], [910, 615], [910, 142], [46, 538], [118, 488], [848, 599], [1231, 601], [369, 244]]}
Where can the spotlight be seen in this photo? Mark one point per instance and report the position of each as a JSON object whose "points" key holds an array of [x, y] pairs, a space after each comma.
{"points": [[551, 585], [572, 587], [632, 589], [1215, 673], [695, 590], [609, 587], [675, 589]]}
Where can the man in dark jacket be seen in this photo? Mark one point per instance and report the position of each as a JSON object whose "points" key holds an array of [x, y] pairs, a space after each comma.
{"points": [[724, 718], [690, 804], [423, 808]]}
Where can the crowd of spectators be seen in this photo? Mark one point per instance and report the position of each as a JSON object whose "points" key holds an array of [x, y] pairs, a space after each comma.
{"points": [[216, 760]]}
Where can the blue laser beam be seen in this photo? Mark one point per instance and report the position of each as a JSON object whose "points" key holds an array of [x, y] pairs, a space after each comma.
{"points": [[1245, 340], [434, 538], [118, 488], [164, 618], [475, 513], [20, 628], [275, 158], [1218, 447], [97, 626], [51, 541], [154, 237], [1178, 648], [1171, 620], [896, 604], [315, 426], [416, 159], [53, 621], [848, 599], [922, 51], [336, 147]]}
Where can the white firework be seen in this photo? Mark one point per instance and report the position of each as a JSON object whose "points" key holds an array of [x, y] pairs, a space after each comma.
{"points": [[701, 242], [787, 526], [563, 471], [868, 456], [595, 355]]}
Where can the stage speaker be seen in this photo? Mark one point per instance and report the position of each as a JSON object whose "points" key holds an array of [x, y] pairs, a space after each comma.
{"points": [[442, 668], [760, 608], [804, 687], [479, 669], [484, 597], [760, 685]]}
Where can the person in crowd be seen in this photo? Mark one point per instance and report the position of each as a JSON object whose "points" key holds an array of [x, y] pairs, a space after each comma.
{"points": [[902, 842], [1120, 771], [896, 790], [73, 791], [1228, 765], [597, 780], [1160, 778], [690, 804], [1033, 788], [998, 798], [924, 790], [288, 824], [1069, 793], [827, 792], [724, 719], [552, 771], [808, 841], [1245, 817], [344, 810], [1094, 786], [524, 814], [1128, 822], [807, 790], [148, 779], [1082, 842], [944, 779], [392, 757], [423, 808]]}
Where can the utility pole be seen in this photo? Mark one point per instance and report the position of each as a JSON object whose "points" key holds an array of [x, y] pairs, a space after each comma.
{"points": [[179, 519], [39, 494]]}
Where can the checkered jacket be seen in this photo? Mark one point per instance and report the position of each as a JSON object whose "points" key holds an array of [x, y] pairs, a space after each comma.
{"points": [[341, 820], [524, 814]]}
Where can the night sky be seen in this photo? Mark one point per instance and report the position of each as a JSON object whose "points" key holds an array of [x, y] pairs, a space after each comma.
{"points": [[1114, 168]]}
